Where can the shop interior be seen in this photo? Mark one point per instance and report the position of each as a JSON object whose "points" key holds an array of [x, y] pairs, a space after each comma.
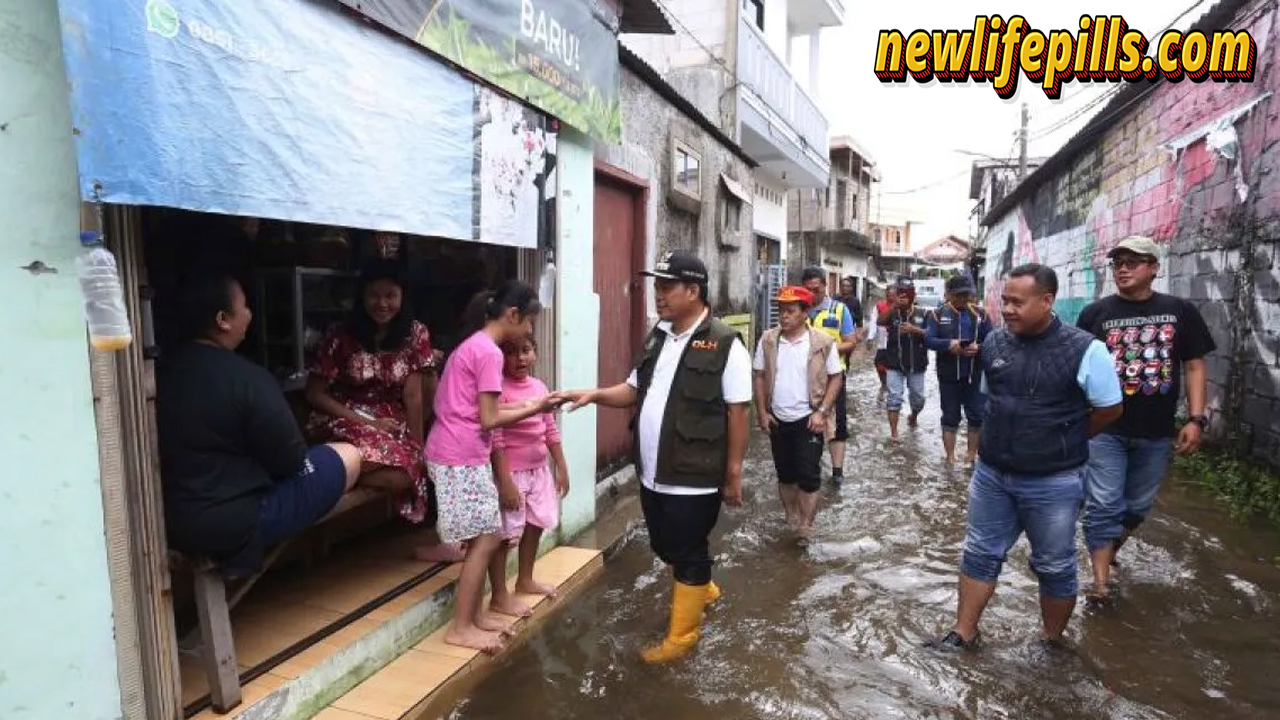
{"points": [[299, 280]]}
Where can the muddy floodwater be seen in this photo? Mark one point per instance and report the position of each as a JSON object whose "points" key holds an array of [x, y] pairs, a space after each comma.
{"points": [[835, 630]]}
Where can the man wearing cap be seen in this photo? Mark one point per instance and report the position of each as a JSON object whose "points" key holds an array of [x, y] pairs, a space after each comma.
{"points": [[955, 331], [906, 356], [797, 377], [692, 383], [833, 318], [1155, 340], [1050, 387]]}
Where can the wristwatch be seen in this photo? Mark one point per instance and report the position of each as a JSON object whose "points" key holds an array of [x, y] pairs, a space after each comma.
{"points": [[824, 410], [1200, 420]]}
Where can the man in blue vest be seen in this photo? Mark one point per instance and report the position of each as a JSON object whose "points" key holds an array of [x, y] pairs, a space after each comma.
{"points": [[956, 330], [1050, 387], [833, 318]]}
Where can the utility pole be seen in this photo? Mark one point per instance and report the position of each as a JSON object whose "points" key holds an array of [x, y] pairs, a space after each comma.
{"points": [[1022, 144]]}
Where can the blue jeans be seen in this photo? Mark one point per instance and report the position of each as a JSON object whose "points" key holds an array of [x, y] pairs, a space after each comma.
{"points": [[961, 395], [914, 385], [1121, 484], [1004, 505]]}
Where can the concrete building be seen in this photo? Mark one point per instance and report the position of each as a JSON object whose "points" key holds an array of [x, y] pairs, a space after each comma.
{"points": [[892, 237], [733, 59], [946, 251], [1194, 167], [829, 227], [675, 181], [990, 180]]}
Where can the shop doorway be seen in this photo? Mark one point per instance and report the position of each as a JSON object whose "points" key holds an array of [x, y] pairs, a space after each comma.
{"points": [[299, 281], [619, 251]]}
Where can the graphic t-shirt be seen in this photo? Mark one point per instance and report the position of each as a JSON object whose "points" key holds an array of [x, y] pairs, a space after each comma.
{"points": [[1148, 341]]}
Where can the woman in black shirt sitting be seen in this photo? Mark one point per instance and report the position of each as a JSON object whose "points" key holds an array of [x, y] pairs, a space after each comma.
{"points": [[237, 475]]}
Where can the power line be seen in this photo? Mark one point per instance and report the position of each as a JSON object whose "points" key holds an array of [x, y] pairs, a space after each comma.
{"points": [[1110, 92], [926, 187]]}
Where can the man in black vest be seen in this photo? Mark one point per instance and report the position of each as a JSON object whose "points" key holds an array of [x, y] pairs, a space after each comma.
{"points": [[692, 383], [956, 330], [1050, 387]]}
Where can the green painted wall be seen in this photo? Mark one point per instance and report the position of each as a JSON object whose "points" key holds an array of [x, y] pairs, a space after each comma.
{"points": [[578, 316], [57, 652]]}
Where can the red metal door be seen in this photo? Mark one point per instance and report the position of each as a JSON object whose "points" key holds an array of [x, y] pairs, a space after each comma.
{"points": [[617, 250]]}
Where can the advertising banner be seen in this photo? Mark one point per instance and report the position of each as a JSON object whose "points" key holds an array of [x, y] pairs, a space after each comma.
{"points": [[283, 109], [558, 55]]}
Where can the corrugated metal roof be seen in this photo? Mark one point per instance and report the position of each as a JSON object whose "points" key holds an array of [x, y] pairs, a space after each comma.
{"points": [[645, 17], [1124, 102]]}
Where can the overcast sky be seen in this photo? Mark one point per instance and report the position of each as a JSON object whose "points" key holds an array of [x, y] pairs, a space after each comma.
{"points": [[913, 130]]}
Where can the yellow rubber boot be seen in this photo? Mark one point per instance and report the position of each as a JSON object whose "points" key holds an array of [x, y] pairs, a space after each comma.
{"points": [[713, 592], [687, 603]]}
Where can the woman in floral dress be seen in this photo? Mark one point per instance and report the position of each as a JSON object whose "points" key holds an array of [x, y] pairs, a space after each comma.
{"points": [[366, 388]]}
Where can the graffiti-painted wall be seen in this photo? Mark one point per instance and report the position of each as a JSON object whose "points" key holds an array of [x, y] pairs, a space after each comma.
{"points": [[1195, 167]]}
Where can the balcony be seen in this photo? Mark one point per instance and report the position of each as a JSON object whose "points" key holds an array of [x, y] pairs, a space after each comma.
{"points": [[779, 125], [806, 16]]}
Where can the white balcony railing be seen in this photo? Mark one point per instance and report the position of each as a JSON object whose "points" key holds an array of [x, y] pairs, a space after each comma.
{"points": [[762, 72]]}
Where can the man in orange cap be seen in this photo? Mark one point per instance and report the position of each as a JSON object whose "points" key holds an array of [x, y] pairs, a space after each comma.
{"points": [[797, 377]]}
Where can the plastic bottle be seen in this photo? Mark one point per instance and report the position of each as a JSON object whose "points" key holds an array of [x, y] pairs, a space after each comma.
{"points": [[104, 308]]}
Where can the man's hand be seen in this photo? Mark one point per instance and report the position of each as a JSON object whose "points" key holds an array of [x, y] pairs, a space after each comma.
{"points": [[1189, 439], [508, 495], [732, 493], [386, 425], [971, 350], [817, 423], [577, 398], [766, 421], [954, 348]]}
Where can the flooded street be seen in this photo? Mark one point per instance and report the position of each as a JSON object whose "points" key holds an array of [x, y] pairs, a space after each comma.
{"points": [[835, 630]]}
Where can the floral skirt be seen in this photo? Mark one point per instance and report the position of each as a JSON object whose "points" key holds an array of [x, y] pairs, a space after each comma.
{"points": [[379, 447], [466, 501]]}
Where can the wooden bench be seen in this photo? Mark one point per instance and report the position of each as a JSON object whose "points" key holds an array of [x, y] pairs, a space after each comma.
{"points": [[217, 650]]}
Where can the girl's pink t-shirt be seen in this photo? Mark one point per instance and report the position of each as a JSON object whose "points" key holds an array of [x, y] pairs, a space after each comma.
{"points": [[475, 367], [525, 443]]}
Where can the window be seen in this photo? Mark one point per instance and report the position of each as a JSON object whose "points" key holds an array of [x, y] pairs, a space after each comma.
{"points": [[842, 199], [687, 167], [685, 190], [687, 171], [731, 219], [754, 12]]}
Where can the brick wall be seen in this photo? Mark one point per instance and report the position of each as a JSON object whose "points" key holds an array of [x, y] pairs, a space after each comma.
{"points": [[1160, 170]]}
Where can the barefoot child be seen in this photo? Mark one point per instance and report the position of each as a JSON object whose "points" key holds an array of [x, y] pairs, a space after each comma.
{"points": [[528, 492], [458, 450]]}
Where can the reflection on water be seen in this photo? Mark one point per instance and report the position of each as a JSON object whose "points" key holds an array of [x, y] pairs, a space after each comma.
{"points": [[834, 630]]}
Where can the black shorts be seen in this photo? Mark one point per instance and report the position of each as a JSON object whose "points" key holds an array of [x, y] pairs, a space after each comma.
{"points": [[841, 411], [797, 455], [680, 531]]}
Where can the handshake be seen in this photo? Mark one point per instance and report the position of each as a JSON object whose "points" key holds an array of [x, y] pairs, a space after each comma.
{"points": [[575, 399]]}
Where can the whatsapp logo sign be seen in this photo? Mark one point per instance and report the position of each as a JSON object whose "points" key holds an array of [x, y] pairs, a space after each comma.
{"points": [[162, 19]]}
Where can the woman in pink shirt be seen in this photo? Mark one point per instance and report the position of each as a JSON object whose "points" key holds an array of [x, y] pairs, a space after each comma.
{"points": [[529, 494], [458, 450]]}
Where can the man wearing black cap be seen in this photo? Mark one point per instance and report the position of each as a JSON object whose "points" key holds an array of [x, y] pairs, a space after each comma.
{"points": [[692, 383], [955, 331], [1155, 340], [905, 354]]}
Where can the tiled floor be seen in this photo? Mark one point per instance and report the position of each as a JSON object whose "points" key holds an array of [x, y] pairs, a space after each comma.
{"points": [[285, 610], [405, 684], [289, 604]]}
